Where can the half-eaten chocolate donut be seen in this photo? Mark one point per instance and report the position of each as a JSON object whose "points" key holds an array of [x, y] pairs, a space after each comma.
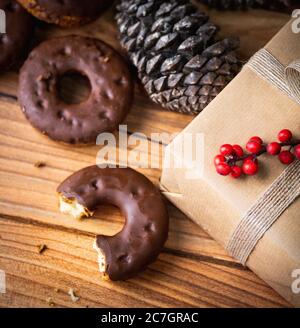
{"points": [[146, 218]]}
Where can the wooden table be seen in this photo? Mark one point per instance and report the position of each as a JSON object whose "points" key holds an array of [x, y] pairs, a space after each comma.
{"points": [[192, 271]]}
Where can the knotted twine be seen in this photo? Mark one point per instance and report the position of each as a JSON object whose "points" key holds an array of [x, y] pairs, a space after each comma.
{"points": [[286, 188]]}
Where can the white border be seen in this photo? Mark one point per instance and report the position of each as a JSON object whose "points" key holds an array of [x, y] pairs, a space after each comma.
{"points": [[2, 21]]}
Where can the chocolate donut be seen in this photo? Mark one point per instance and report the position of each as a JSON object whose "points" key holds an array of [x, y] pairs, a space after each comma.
{"points": [[19, 27], [65, 13], [146, 219], [107, 105]]}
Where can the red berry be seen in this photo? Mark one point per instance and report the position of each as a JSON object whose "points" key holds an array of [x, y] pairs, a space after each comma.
{"points": [[223, 169], [286, 157], [250, 167], [297, 151], [238, 150], [257, 139], [285, 135], [236, 172], [250, 158], [254, 147], [219, 159], [274, 148], [226, 150]]}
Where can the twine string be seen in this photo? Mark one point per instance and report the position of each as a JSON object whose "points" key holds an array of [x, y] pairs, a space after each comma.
{"points": [[286, 188]]}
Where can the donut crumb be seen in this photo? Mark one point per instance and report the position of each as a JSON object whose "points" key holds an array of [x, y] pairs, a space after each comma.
{"points": [[50, 301], [73, 296], [39, 164], [42, 248]]}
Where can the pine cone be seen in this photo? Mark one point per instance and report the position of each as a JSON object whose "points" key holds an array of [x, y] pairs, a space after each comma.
{"points": [[180, 63], [278, 5]]}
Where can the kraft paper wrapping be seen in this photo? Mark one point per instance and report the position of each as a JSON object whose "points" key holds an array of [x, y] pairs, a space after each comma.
{"points": [[248, 106]]}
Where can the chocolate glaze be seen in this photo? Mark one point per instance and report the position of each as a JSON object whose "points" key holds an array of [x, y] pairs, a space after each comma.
{"points": [[19, 27], [146, 219], [90, 8], [66, 13], [111, 89]]}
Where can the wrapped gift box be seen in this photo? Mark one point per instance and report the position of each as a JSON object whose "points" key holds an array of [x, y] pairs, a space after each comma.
{"points": [[261, 100]]}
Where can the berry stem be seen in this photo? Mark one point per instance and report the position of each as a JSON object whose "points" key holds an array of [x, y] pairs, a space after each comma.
{"points": [[227, 161], [292, 144]]}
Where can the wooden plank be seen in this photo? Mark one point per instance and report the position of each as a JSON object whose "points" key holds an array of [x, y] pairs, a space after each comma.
{"points": [[29, 192], [70, 262]]}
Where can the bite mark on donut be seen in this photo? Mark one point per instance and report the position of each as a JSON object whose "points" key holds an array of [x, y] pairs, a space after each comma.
{"points": [[102, 263], [72, 207]]}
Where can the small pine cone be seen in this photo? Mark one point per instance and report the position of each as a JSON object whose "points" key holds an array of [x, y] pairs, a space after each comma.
{"points": [[277, 5], [180, 62]]}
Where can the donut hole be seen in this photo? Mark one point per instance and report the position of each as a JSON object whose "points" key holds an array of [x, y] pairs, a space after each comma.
{"points": [[73, 88], [111, 214]]}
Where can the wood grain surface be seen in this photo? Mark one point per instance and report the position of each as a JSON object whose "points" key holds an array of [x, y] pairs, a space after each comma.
{"points": [[192, 271]]}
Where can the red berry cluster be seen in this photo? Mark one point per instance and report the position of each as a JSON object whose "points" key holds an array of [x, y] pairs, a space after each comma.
{"points": [[234, 161]]}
